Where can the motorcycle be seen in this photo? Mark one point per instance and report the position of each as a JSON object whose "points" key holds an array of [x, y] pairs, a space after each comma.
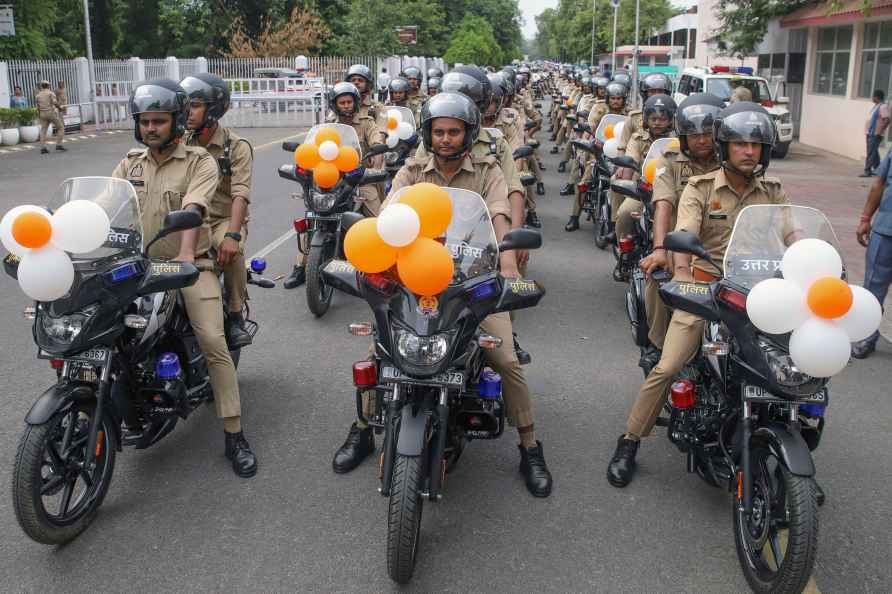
{"points": [[318, 228], [743, 414], [434, 393], [123, 351], [595, 190]]}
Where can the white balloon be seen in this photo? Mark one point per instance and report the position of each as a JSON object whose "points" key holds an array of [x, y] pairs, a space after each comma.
{"points": [[6, 228], [46, 274], [820, 348], [328, 150], [776, 306], [405, 130], [864, 318], [398, 225], [395, 114], [618, 130], [809, 259], [611, 148], [80, 226], [392, 140]]}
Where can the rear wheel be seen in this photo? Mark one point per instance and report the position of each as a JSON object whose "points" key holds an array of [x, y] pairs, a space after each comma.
{"points": [[404, 517], [318, 293], [602, 225], [55, 493], [777, 543]]}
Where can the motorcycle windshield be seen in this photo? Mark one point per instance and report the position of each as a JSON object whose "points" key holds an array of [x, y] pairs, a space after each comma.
{"points": [[470, 237], [346, 135], [660, 146], [405, 114], [119, 201], [762, 234], [609, 119]]}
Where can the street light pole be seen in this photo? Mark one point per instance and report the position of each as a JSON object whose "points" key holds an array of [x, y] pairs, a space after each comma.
{"points": [[89, 50], [635, 59], [615, 13], [592, 63]]}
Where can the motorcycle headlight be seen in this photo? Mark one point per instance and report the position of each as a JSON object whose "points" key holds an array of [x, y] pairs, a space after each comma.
{"points": [[424, 351], [781, 364], [323, 202], [65, 329]]}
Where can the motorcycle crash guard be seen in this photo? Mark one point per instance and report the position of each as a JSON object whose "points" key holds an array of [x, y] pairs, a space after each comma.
{"points": [[412, 432], [789, 447], [341, 275]]}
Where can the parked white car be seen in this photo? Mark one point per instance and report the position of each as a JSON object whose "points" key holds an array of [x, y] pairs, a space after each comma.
{"points": [[721, 82]]}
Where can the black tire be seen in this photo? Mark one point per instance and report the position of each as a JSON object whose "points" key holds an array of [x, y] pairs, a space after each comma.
{"points": [[780, 150], [43, 447], [318, 293], [404, 517], [792, 504]]}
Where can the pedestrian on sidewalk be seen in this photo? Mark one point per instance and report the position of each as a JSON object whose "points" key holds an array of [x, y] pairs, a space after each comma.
{"points": [[48, 110], [18, 100], [875, 233], [875, 128]]}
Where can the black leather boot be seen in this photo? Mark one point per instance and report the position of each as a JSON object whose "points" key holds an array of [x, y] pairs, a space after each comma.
{"points": [[554, 150], [237, 336], [562, 166], [540, 188], [523, 357], [622, 466], [358, 445], [244, 462], [533, 219], [572, 224], [650, 356], [297, 277], [541, 166], [535, 471]]}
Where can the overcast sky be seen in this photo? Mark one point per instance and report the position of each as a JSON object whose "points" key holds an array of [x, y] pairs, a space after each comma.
{"points": [[530, 8]]}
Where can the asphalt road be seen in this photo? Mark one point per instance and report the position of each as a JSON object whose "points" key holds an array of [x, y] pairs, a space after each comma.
{"points": [[177, 519]]}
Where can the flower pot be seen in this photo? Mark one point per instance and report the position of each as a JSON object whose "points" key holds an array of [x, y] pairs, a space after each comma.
{"points": [[9, 136], [29, 133]]}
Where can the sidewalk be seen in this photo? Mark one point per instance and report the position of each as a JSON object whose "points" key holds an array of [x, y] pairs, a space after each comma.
{"points": [[89, 131], [830, 183]]}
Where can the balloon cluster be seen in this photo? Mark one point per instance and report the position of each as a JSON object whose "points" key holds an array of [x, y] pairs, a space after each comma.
{"points": [[326, 157], [404, 234], [613, 132], [40, 240], [649, 171], [397, 129], [824, 313]]}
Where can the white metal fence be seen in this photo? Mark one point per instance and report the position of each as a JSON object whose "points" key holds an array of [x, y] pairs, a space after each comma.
{"points": [[28, 74]]}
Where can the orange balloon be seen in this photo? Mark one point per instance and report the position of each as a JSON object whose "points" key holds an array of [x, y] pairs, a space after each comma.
{"points": [[326, 175], [433, 205], [307, 155], [347, 159], [32, 230], [650, 171], [830, 298], [608, 131], [392, 123], [425, 266], [327, 134], [366, 250]]}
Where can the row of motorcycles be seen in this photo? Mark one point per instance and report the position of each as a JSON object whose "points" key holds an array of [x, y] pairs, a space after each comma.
{"points": [[745, 418]]}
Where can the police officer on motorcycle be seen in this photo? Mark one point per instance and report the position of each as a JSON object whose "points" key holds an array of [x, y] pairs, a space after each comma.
{"points": [[170, 175]]}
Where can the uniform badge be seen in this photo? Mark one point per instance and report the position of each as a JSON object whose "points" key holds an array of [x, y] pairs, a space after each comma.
{"points": [[136, 170], [686, 172], [429, 306]]}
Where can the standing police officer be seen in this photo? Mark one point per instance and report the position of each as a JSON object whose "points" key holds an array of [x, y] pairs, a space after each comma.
{"points": [[48, 112]]}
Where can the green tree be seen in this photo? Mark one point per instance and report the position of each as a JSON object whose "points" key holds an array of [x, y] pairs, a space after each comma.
{"points": [[371, 28], [34, 22], [474, 43]]}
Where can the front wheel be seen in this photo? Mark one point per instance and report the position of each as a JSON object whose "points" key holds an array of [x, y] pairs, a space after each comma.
{"points": [[318, 293], [404, 517], [777, 543], [55, 494]]}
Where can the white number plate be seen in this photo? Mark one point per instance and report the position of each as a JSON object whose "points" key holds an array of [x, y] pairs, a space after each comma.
{"points": [[757, 393], [450, 378], [91, 356]]}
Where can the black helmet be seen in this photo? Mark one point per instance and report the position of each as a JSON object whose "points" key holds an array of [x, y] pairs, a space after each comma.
{"points": [[655, 81], [744, 121], [411, 72], [471, 81], [616, 89], [511, 74], [434, 73], [659, 104], [363, 71], [398, 85], [623, 78], [344, 88], [696, 115], [500, 90], [601, 82], [210, 89], [451, 105], [434, 83], [587, 82], [164, 95]]}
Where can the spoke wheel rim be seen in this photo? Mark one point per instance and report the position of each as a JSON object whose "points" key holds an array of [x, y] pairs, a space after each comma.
{"points": [[759, 531]]}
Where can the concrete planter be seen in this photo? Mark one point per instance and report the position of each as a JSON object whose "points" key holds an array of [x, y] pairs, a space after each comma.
{"points": [[9, 136], [29, 133]]}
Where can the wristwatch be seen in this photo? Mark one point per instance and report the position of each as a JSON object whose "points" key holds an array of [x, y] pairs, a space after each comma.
{"points": [[234, 234]]}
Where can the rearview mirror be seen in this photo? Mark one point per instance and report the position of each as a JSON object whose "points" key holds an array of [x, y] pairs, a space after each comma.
{"points": [[626, 188], [625, 161], [177, 220], [522, 152], [350, 218], [686, 242], [521, 239], [290, 145]]}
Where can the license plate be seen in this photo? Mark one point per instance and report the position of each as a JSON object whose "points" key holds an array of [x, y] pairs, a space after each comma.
{"points": [[755, 393], [96, 356], [450, 378]]}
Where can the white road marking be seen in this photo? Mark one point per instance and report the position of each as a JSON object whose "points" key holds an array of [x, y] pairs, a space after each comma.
{"points": [[269, 248]]}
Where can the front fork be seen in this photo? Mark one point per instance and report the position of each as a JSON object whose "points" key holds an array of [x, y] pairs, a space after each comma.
{"points": [[101, 396]]}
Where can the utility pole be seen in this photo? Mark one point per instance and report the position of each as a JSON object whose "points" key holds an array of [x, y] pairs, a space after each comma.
{"points": [[635, 59], [89, 50], [615, 13], [592, 63]]}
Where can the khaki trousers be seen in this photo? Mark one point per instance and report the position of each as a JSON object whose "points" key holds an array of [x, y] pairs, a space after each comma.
{"points": [[235, 275], [658, 313], [625, 222], [47, 118], [204, 305], [679, 347]]}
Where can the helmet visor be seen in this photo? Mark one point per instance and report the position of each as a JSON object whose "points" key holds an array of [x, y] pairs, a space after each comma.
{"points": [[696, 119], [148, 98], [747, 126]]}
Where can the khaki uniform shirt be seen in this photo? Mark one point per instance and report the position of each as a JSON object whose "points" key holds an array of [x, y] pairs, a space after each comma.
{"points": [[499, 148], [47, 103], [674, 169], [709, 207], [508, 123], [188, 176], [638, 146], [237, 185], [634, 123], [477, 174]]}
